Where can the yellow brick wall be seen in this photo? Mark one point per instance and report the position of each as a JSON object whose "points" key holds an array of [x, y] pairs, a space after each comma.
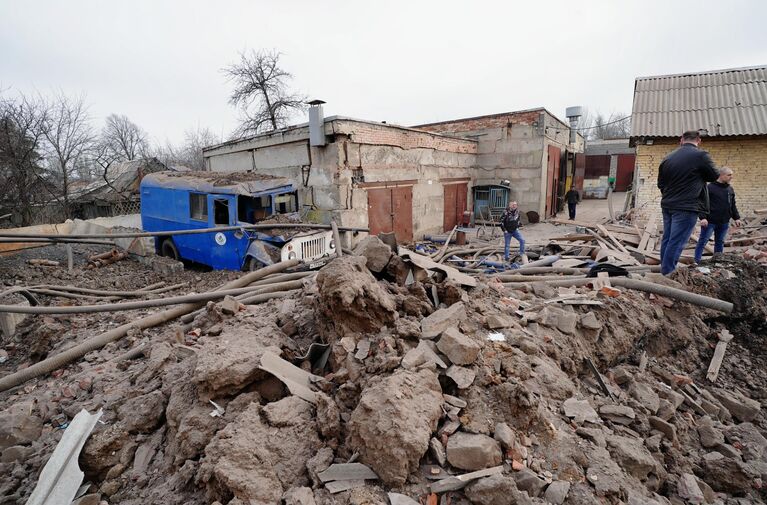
{"points": [[747, 157]]}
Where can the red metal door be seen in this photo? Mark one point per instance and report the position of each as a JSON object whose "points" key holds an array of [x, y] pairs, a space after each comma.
{"points": [[380, 211], [462, 191], [580, 171], [625, 173], [552, 180], [391, 210], [402, 215], [448, 211]]}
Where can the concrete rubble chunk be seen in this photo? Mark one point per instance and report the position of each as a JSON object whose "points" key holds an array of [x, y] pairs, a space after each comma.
{"points": [[619, 414], [687, 488], [590, 322], [646, 396], [579, 411], [460, 481], [462, 376], [18, 426], [668, 429], [299, 496], [594, 435], [400, 499], [338, 486], [469, 451], [528, 481], [437, 451], [504, 435], [557, 491], [567, 322], [710, 436], [460, 349], [498, 321], [376, 253], [421, 355], [672, 396], [727, 475], [229, 305], [392, 424], [742, 408], [347, 471], [495, 490], [440, 320], [753, 444], [454, 401], [631, 454]]}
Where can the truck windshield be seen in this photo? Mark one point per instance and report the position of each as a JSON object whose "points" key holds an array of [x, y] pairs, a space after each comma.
{"points": [[253, 209]]}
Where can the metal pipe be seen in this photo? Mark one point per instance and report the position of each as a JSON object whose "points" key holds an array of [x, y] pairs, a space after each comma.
{"points": [[99, 341], [46, 241], [179, 232]]}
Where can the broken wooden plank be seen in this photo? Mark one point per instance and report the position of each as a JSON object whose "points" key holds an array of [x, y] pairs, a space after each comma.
{"points": [[716, 362], [296, 379], [347, 471], [460, 481], [611, 238]]}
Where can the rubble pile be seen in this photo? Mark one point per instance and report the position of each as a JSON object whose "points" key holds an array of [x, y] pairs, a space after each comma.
{"points": [[373, 386]]}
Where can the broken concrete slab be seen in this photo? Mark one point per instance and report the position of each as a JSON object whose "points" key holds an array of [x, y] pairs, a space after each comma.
{"points": [[462, 376], [460, 349], [528, 481], [18, 426], [579, 411], [400, 499], [590, 322], [442, 319], [619, 414], [688, 489], [753, 444], [420, 355], [710, 436], [505, 436], [741, 407], [557, 491], [347, 471], [454, 401], [498, 321], [668, 429], [460, 481], [376, 253], [338, 486], [594, 435], [427, 263], [495, 490], [297, 380], [646, 396], [469, 451], [437, 451], [635, 459]]}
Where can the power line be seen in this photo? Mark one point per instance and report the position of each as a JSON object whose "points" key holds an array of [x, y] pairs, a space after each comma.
{"points": [[604, 124]]}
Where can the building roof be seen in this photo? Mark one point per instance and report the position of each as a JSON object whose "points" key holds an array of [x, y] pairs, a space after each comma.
{"points": [[603, 147], [496, 115], [720, 102], [123, 177], [236, 183]]}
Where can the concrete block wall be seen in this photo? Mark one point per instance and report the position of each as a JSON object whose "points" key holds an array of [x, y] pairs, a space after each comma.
{"points": [[744, 155]]}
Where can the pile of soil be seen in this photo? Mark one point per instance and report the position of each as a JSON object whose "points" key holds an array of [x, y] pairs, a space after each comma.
{"points": [[422, 381]]}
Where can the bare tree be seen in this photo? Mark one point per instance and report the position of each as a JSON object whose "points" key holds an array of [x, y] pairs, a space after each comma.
{"points": [[261, 92], [22, 126], [189, 153], [69, 137], [123, 139], [615, 126]]}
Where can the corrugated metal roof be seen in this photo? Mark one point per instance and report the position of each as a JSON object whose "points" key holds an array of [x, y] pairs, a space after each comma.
{"points": [[723, 102]]}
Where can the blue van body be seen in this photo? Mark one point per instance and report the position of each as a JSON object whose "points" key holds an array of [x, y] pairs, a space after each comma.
{"points": [[196, 200]]}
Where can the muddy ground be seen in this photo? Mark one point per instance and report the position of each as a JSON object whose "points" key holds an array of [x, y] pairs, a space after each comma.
{"points": [[415, 392]]}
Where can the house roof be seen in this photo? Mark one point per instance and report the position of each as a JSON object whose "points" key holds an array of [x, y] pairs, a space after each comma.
{"points": [[123, 177], [720, 102], [236, 183]]}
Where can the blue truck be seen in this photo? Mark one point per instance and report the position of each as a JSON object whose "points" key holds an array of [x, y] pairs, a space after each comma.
{"points": [[196, 200]]}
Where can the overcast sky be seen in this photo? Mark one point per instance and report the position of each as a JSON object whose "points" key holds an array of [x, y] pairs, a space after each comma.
{"points": [[406, 62]]}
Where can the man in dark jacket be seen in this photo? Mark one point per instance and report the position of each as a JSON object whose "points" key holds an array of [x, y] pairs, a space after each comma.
{"points": [[682, 178], [573, 198], [510, 227], [722, 205]]}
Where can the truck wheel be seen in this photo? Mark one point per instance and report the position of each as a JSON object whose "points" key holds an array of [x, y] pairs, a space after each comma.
{"points": [[253, 264], [169, 249]]}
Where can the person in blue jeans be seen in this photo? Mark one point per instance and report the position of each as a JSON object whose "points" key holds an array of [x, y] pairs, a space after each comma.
{"points": [[722, 208], [682, 178], [510, 226]]}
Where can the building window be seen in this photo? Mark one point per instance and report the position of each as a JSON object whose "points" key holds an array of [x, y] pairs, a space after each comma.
{"points": [[198, 207]]}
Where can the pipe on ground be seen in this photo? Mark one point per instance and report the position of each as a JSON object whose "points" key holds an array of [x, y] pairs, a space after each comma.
{"points": [[99, 341], [648, 287]]}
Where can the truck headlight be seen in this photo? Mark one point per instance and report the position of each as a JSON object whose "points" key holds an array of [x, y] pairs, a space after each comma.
{"points": [[291, 255], [332, 244]]}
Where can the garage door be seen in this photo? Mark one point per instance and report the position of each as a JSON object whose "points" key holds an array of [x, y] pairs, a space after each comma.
{"points": [[455, 204], [391, 210]]}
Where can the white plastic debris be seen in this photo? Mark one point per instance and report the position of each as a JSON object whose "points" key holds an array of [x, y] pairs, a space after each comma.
{"points": [[496, 337], [219, 410]]}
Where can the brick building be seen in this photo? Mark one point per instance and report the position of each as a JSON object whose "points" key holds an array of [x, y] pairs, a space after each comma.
{"points": [[412, 181], [729, 107]]}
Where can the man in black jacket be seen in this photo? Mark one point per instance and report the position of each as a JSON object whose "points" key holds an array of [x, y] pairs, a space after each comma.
{"points": [[572, 198], [510, 226], [682, 178], [722, 208]]}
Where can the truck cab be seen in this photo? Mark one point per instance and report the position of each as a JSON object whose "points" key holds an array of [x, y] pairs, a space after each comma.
{"points": [[197, 200]]}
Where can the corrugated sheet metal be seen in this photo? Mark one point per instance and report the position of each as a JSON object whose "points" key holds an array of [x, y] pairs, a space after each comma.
{"points": [[724, 102]]}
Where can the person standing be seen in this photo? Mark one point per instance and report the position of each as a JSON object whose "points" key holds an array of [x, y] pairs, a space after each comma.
{"points": [[510, 226], [573, 198], [722, 208], [682, 178]]}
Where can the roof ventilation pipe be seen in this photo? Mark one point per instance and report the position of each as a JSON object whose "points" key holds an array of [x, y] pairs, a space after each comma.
{"points": [[573, 115], [316, 124]]}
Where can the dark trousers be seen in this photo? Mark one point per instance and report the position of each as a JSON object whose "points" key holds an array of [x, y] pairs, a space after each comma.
{"points": [[677, 228], [719, 231], [571, 209]]}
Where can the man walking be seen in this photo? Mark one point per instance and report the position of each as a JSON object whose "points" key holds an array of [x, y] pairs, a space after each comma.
{"points": [[510, 227], [722, 208], [682, 178], [573, 198]]}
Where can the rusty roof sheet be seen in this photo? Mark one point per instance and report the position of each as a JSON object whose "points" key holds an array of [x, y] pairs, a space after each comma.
{"points": [[721, 102]]}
